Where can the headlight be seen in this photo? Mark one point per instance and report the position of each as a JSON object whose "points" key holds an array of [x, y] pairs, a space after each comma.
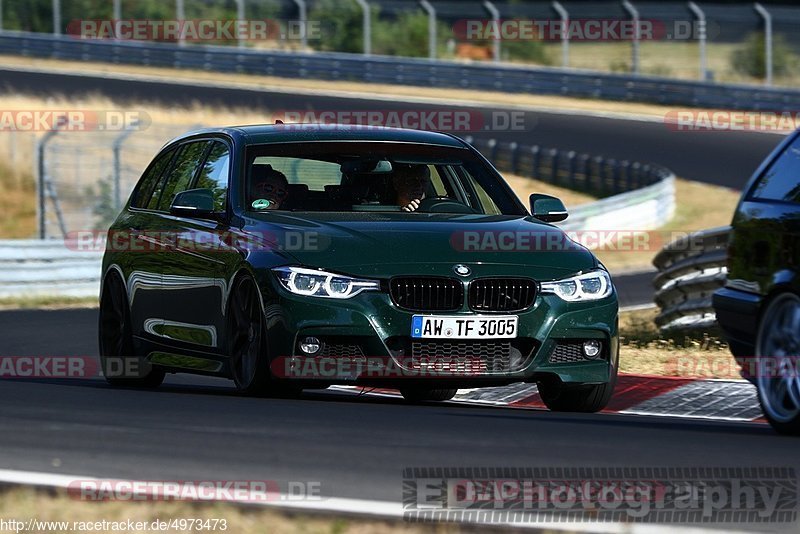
{"points": [[590, 286], [314, 283]]}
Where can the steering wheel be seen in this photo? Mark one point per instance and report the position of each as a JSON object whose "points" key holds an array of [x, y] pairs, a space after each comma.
{"points": [[443, 205]]}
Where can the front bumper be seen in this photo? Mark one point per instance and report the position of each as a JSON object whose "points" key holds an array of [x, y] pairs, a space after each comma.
{"points": [[381, 330], [737, 313]]}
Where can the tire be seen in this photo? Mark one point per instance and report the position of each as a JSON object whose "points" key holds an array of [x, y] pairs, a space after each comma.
{"points": [[777, 349], [420, 394], [249, 363], [559, 397], [120, 364]]}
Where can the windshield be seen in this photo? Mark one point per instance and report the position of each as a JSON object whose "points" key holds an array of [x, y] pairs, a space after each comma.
{"points": [[365, 176]]}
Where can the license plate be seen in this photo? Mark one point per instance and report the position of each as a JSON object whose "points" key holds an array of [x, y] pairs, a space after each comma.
{"points": [[460, 327]]}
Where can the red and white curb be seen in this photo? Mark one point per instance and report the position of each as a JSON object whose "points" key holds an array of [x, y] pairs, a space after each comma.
{"points": [[714, 399]]}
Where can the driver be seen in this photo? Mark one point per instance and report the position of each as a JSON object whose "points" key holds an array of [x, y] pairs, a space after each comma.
{"points": [[410, 182], [268, 184]]}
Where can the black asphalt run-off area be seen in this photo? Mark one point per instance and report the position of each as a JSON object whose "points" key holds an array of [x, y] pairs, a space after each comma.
{"points": [[723, 158], [195, 428]]}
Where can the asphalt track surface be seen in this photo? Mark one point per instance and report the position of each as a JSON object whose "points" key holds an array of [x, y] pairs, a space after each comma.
{"points": [[195, 428], [725, 158]]}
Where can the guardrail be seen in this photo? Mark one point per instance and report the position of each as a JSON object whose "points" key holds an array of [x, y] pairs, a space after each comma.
{"points": [[690, 269], [405, 71], [44, 268], [637, 196]]}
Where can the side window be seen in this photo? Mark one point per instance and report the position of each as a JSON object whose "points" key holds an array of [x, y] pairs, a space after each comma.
{"points": [[180, 175], [214, 174], [781, 181], [144, 191]]}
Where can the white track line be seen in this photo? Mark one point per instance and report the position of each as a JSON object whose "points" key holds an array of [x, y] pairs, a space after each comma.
{"points": [[360, 507]]}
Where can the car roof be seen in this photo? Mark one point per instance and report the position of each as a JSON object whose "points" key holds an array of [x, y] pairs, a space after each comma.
{"points": [[293, 133]]}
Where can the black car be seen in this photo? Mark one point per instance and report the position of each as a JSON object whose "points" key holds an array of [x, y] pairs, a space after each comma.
{"points": [[759, 307]]}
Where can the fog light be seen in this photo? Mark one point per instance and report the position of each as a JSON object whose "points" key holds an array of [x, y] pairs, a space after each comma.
{"points": [[310, 345], [591, 348]]}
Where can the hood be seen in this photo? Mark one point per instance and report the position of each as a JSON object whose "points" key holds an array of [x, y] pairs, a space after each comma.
{"points": [[387, 244]]}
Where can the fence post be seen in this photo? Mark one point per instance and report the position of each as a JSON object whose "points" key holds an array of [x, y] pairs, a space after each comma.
{"points": [[767, 40], [41, 176], [180, 16], [701, 38], [1, 16], [302, 12], [56, 17], [637, 35], [491, 148], [116, 146], [564, 16], [536, 160], [495, 14], [431, 27], [117, 16], [366, 26], [239, 19]]}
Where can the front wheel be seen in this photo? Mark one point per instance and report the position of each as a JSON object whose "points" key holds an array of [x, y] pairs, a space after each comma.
{"points": [[422, 394], [120, 365], [777, 350], [559, 397]]}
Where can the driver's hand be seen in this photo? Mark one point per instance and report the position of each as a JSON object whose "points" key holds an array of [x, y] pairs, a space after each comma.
{"points": [[412, 206]]}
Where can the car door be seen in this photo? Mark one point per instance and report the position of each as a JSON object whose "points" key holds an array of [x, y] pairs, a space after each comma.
{"points": [[137, 251], [194, 283]]}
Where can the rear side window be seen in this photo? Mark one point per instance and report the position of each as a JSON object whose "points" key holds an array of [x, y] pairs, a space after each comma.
{"points": [[180, 175], [144, 191], [782, 179], [214, 174]]}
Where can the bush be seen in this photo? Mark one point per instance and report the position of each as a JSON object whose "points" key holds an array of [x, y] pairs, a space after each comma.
{"points": [[750, 60], [407, 35]]}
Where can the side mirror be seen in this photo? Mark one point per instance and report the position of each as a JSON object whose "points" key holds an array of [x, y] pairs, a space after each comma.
{"points": [[548, 209], [196, 203]]}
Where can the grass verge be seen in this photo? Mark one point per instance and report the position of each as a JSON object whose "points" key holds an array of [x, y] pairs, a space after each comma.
{"points": [[25, 503], [645, 350]]}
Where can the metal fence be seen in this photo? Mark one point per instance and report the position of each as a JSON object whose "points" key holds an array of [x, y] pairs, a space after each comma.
{"points": [[690, 269], [692, 39], [407, 71]]}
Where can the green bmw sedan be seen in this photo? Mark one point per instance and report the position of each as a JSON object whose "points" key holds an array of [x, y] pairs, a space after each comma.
{"points": [[290, 257]]}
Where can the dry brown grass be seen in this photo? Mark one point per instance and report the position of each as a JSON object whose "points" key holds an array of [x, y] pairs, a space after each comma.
{"points": [[523, 187], [644, 350]]}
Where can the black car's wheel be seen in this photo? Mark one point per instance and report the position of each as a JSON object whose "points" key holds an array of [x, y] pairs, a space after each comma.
{"points": [[423, 394], [120, 365], [249, 362], [777, 350]]}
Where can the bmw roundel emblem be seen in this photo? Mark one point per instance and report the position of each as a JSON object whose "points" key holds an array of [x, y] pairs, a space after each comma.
{"points": [[462, 270]]}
